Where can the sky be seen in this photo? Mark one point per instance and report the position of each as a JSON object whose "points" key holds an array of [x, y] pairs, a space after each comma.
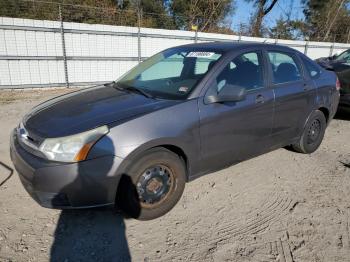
{"points": [[281, 8]]}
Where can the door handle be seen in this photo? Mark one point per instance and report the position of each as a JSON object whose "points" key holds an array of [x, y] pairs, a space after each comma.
{"points": [[259, 99]]}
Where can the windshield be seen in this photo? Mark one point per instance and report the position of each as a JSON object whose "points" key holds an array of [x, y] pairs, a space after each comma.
{"points": [[171, 74], [344, 56]]}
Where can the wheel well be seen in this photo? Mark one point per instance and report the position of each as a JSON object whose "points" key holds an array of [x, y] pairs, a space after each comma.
{"points": [[125, 179], [177, 150], [325, 112]]}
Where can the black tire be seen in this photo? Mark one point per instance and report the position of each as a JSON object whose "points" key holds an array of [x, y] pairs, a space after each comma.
{"points": [[313, 134], [161, 164]]}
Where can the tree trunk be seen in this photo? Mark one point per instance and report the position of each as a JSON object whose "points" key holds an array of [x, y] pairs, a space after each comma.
{"points": [[256, 29], [334, 19], [258, 20]]}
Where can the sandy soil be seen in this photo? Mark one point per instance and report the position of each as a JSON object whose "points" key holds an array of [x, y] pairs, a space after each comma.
{"points": [[281, 206]]}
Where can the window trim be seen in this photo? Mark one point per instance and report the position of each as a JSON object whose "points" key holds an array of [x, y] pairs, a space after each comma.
{"points": [[295, 58]]}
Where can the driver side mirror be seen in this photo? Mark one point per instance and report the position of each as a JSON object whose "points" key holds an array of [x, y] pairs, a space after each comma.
{"points": [[229, 93]]}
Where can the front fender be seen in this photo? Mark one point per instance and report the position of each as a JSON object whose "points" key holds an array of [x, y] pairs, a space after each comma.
{"points": [[176, 126]]}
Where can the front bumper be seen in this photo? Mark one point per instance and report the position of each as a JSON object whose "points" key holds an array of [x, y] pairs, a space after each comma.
{"points": [[84, 184]]}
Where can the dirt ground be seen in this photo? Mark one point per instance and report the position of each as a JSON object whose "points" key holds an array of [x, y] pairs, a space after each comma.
{"points": [[281, 206]]}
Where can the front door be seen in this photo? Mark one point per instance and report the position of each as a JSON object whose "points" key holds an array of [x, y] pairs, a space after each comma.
{"points": [[233, 131]]}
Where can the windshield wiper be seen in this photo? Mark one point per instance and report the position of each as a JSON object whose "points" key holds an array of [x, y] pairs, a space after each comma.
{"points": [[110, 83], [130, 89], [138, 90]]}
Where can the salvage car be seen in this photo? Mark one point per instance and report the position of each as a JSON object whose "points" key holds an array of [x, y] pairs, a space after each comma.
{"points": [[340, 64], [184, 112]]}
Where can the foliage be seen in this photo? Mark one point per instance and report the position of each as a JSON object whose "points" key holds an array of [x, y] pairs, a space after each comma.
{"points": [[263, 7], [208, 15], [327, 20]]}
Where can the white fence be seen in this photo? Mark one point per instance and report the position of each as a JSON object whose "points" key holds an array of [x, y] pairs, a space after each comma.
{"points": [[31, 51]]}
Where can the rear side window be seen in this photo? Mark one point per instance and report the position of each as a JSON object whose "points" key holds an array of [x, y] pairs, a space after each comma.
{"points": [[311, 69], [284, 67]]}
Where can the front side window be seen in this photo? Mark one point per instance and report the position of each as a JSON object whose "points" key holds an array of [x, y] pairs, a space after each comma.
{"points": [[245, 70], [171, 74], [284, 68]]}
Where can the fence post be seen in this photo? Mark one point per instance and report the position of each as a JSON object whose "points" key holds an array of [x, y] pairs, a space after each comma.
{"points": [[64, 55], [139, 35], [306, 47], [240, 32], [331, 49]]}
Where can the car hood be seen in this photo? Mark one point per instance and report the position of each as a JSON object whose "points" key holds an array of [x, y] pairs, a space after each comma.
{"points": [[333, 65], [86, 109]]}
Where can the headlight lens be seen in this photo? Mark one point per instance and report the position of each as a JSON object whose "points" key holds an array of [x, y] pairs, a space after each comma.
{"points": [[73, 148]]}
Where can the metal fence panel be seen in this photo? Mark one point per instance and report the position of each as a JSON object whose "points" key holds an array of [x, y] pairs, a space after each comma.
{"points": [[32, 51]]}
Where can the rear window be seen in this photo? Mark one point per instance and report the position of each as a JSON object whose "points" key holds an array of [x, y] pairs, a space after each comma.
{"points": [[344, 56]]}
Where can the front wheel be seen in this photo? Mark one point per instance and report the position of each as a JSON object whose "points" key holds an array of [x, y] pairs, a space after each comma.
{"points": [[153, 185], [313, 134]]}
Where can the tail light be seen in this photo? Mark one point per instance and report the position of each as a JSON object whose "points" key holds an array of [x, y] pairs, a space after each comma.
{"points": [[337, 84]]}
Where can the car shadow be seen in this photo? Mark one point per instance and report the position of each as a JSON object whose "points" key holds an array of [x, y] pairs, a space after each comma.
{"points": [[90, 235]]}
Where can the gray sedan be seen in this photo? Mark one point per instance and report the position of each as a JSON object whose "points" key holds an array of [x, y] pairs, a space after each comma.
{"points": [[184, 112]]}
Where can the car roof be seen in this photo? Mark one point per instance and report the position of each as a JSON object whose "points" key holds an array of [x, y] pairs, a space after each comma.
{"points": [[230, 46]]}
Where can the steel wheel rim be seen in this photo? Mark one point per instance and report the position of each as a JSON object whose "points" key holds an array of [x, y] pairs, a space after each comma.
{"points": [[314, 131], [155, 185]]}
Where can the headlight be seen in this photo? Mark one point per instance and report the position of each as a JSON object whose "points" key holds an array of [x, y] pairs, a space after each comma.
{"points": [[72, 148]]}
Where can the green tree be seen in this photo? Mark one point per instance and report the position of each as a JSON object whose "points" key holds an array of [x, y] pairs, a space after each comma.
{"points": [[208, 15], [327, 20], [282, 30], [126, 12], [263, 7], [154, 14], [27, 9], [288, 29]]}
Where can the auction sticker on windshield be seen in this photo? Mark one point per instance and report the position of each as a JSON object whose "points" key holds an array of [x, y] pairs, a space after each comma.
{"points": [[200, 54]]}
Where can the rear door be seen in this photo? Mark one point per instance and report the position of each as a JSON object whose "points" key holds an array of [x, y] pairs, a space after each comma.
{"points": [[293, 95], [233, 131]]}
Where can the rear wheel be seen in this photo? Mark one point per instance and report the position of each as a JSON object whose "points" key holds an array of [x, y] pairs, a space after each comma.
{"points": [[313, 134], [153, 185]]}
